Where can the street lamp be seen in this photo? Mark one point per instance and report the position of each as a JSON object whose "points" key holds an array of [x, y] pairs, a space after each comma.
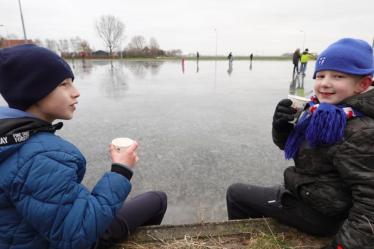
{"points": [[23, 23], [216, 40]]}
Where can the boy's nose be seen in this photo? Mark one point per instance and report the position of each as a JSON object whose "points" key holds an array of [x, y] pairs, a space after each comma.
{"points": [[75, 92], [325, 82]]}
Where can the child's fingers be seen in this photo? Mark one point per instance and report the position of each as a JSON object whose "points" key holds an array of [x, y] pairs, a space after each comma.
{"points": [[133, 147], [110, 147]]}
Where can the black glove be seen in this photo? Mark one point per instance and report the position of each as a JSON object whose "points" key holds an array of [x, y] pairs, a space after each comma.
{"points": [[283, 114]]}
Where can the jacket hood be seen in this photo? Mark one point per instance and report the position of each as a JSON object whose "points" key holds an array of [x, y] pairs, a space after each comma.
{"points": [[363, 103], [16, 127]]}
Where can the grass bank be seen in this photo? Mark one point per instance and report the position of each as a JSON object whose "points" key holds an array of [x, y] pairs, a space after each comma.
{"points": [[240, 234]]}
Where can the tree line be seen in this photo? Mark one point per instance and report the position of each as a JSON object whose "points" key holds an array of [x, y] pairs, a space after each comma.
{"points": [[111, 31]]}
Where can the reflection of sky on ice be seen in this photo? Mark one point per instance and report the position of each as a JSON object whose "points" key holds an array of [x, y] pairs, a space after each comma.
{"points": [[198, 131]]}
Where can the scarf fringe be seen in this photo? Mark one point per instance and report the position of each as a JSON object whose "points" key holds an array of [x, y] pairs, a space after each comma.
{"points": [[324, 126], [296, 137]]}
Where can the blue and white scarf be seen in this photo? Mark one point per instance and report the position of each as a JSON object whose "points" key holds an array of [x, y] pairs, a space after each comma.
{"points": [[319, 124]]}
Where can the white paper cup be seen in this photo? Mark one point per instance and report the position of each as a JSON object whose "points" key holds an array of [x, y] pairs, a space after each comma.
{"points": [[298, 102], [122, 143]]}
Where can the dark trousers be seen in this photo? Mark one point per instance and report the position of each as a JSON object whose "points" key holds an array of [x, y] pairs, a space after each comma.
{"points": [[249, 201], [143, 210], [295, 68], [303, 68]]}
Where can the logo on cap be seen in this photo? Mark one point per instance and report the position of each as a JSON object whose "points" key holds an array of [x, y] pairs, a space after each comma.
{"points": [[322, 60]]}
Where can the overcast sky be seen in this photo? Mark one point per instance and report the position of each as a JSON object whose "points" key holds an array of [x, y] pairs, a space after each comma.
{"points": [[267, 27]]}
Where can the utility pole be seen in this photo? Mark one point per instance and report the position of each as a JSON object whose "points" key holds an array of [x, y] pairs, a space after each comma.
{"points": [[23, 23]]}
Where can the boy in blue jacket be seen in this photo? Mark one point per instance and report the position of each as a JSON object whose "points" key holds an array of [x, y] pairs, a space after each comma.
{"points": [[42, 201]]}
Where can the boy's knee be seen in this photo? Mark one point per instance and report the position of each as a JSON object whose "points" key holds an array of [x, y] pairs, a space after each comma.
{"points": [[163, 198], [235, 191]]}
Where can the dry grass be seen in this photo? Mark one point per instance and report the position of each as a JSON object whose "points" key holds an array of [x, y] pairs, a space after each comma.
{"points": [[287, 239], [257, 241]]}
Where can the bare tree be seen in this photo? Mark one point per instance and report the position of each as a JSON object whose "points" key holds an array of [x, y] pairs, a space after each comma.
{"points": [[154, 47], [75, 44], [111, 31], [63, 45], [85, 47], [153, 44], [51, 44], [137, 42]]}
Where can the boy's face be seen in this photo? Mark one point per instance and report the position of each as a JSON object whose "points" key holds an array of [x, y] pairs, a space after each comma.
{"points": [[60, 103], [333, 87]]}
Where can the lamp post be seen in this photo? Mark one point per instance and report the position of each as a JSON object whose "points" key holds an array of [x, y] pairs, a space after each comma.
{"points": [[216, 40], [23, 23]]}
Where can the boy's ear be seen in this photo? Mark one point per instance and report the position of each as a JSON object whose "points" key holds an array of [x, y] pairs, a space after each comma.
{"points": [[364, 83]]}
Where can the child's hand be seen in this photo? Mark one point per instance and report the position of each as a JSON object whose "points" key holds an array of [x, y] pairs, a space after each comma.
{"points": [[127, 156], [283, 114]]}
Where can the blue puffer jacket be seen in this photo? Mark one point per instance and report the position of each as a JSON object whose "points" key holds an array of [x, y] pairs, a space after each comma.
{"points": [[42, 203]]}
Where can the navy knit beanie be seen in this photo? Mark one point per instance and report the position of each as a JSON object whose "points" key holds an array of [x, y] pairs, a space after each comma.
{"points": [[351, 56], [28, 73]]}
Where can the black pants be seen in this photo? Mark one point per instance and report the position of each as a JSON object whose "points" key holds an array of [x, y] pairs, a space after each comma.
{"points": [[249, 201], [295, 68], [145, 209]]}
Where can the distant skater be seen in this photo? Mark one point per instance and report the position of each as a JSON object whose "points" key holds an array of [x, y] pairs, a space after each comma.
{"points": [[250, 61], [295, 60], [305, 57], [230, 57], [182, 64]]}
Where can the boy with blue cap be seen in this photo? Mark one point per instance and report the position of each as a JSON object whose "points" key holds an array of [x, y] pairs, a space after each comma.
{"points": [[330, 190], [42, 201]]}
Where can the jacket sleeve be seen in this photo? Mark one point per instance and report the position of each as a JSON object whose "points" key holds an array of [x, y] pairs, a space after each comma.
{"points": [[47, 195], [354, 160]]}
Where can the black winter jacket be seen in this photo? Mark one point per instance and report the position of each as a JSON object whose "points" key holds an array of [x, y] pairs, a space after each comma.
{"points": [[338, 180]]}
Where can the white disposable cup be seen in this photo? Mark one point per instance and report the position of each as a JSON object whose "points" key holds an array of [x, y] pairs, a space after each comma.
{"points": [[122, 143], [299, 104]]}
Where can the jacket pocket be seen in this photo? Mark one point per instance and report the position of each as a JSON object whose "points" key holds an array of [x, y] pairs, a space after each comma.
{"points": [[326, 198]]}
